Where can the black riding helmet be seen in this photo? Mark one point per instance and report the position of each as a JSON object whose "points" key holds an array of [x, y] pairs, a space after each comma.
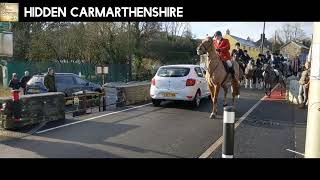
{"points": [[218, 33]]}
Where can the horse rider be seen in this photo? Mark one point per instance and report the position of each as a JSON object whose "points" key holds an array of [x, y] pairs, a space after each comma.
{"points": [[268, 55], [222, 47], [237, 52], [237, 55], [274, 65], [246, 58], [259, 61]]}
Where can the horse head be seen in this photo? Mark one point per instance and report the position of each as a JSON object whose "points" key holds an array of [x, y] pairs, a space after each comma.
{"points": [[205, 46]]}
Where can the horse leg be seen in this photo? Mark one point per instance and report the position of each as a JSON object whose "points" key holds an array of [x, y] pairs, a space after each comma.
{"points": [[225, 89], [212, 91], [250, 83], [246, 83], [215, 102], [261, 84], [234, 100]]}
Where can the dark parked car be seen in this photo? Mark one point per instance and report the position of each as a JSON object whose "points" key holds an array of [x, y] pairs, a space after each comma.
{"points": [[65, 82]]}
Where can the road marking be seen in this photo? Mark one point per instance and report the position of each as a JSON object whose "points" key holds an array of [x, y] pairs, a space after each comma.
{"points": [[295, 152], [219, 142], [116, 112]]}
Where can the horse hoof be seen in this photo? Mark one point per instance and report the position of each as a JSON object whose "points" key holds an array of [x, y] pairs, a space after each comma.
{"points": [[212, 116]]}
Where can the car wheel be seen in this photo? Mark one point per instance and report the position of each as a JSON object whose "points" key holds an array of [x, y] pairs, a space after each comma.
{"points": [[197, 99], [156, 102]]}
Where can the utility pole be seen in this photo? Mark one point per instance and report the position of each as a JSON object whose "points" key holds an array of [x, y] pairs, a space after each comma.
{"points": [[312, 147], [262, 42]]}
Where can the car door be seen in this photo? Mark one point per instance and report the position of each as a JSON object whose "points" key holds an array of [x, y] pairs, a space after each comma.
{"points": [[202, 81], [205, 80]]}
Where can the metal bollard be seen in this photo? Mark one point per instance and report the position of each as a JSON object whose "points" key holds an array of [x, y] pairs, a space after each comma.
{"points": [[228, 132]]}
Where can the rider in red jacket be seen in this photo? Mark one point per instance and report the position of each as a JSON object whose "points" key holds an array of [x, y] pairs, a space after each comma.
{"points": [[222, 47]]}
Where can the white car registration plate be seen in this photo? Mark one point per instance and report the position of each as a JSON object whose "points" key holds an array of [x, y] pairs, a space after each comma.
{"points": [[169, 94]]}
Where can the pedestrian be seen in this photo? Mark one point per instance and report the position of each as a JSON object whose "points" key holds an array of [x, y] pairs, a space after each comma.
{"points": [[49, 81], [14, 83], [24, 80], [304, 86]]}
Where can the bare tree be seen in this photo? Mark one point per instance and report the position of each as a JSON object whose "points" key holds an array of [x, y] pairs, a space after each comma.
{"points": [[291, 32]]}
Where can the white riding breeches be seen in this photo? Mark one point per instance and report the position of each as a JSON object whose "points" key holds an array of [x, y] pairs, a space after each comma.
{"points": [[229, 63], [276, 71]]}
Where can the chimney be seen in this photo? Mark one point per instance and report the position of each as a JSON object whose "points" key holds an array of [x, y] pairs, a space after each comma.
{"points": [[228, 32]]}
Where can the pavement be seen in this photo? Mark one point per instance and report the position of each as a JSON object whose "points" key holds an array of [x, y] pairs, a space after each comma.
{"points": [[174, 130], [275, 129]]}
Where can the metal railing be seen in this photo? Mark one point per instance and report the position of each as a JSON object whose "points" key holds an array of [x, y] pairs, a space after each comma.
{"points": [[80, 103]]}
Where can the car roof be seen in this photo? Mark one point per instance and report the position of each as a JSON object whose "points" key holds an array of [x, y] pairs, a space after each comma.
{"points": [[42, 74], [182, 65]]}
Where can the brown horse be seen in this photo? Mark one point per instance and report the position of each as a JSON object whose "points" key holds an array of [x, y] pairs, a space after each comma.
{"points": [[217, 76]]}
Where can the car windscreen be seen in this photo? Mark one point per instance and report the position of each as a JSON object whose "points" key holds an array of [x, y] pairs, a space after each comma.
{"points": [[68, 80], [36, 79], [173, 72]]}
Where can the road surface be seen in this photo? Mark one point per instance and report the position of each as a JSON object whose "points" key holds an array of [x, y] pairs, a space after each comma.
{"points": [[174, 130]]}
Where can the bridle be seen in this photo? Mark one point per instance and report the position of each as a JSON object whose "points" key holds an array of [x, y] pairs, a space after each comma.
{"points": [[206, 48]]}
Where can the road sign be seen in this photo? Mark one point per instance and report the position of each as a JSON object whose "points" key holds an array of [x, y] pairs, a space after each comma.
{"points": [[105, 70], [98, 70], [76, 101], [102, 70]]}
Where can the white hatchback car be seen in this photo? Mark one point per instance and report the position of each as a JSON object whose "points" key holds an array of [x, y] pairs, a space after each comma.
{"points": [[179, 82]]}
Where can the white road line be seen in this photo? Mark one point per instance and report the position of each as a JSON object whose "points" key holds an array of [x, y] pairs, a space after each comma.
{"points": [[116, 112], [295, 152], [219, 142]]}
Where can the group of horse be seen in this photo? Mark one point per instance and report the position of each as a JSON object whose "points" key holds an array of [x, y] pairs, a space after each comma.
{"points": [[218, 77], [264, 76]]}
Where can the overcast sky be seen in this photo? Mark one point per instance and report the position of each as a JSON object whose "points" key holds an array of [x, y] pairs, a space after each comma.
{"points": [[243, 29]]}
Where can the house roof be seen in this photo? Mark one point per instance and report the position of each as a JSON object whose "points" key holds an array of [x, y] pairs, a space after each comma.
{"points": [[265, 42], [244, 41], [296, 43]]}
